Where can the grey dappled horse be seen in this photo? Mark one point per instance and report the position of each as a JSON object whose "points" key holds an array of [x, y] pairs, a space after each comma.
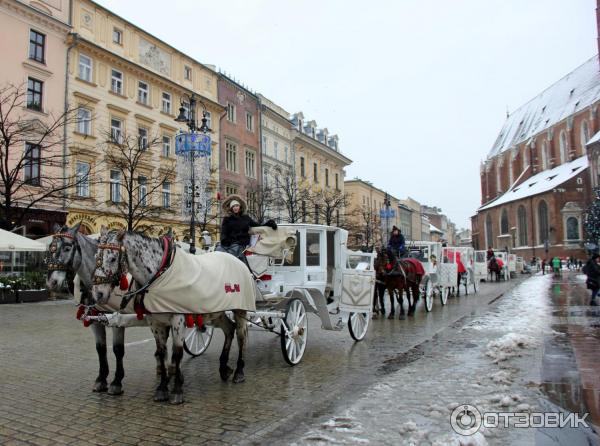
{"points": [[74, 253], [142, 257]]}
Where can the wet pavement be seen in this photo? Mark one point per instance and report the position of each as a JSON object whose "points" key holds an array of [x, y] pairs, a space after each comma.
{"points": [[398, 386]]}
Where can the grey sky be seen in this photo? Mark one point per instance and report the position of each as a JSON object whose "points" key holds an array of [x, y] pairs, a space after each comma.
{"points": [[416, 90]]}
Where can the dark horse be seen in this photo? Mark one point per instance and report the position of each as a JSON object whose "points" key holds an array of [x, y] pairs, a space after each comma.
{"points": [[400, 275], [379, 289], [494, 268]]}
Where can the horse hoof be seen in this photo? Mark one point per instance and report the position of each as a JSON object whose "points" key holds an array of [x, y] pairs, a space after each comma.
{"points": [[375, 316], [176, 398], [391, 316], [225, 373], [100, 386], [115, 390], [401, 317], [161, 395], [238, 378]]}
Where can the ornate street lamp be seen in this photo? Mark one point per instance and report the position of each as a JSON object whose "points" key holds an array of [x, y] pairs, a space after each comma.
{"points": [[189, 147]]}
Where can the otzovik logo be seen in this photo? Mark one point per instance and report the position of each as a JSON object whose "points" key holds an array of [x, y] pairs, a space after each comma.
{"points": [[229, 288]]}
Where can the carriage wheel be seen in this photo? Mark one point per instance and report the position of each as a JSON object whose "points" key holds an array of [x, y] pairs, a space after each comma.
{"points": [[428, 291], [444, 293], [197, 340], [294, 331], [358, 325]]}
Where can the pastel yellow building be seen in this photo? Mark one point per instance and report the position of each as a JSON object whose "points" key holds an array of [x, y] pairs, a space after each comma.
{"points": [[127, 82], [319, 166]]}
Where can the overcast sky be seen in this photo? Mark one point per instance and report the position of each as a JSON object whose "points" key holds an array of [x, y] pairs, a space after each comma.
{"points": [[416, 90]]}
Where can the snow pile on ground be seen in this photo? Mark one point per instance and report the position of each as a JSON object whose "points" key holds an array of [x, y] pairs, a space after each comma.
{"points": [[502, 377], [508, 346]]}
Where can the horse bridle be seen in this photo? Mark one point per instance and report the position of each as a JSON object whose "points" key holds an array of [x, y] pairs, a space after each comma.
{"points": [[52, 260], [110, 278]]}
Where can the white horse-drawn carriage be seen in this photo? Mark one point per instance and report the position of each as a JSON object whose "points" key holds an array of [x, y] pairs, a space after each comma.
{"points": [[300, 269], [440, 276], [467, 256]]}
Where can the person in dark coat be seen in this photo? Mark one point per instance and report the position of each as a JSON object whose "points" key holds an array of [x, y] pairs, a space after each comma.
{"points": [[234, 229], [397, 245], [489, 253], [592, 271]]}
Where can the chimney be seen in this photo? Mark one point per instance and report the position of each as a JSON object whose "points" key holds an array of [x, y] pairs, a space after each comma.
{"points": [[598, 26]]}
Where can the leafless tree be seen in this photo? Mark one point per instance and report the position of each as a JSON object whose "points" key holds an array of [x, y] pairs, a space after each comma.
{"points": [[364, 227], [34, 170], [261, 200], [294, 196], [134, 193], [331, 204]]}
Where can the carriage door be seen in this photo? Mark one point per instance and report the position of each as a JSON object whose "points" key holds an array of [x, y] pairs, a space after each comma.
{"points": [[316, 260], [358, 282], [480, 265]]}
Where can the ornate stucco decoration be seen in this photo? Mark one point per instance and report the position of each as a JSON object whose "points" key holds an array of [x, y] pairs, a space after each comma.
{"points": [[154, 57]]}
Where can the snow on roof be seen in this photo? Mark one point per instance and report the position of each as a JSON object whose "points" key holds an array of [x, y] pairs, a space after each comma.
{"points": [[434, 229], [594, 139], [542, 182], [571, 94]]}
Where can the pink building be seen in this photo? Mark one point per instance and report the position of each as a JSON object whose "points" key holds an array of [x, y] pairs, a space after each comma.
{"points": [[33, 36]]}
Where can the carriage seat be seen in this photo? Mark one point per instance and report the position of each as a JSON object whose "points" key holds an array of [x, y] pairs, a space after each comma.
{"points": [[278, 243]]}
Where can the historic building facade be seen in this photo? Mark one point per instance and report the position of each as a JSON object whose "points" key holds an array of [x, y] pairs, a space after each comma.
{"points": [[277, 156], [240, 161], [318, 164], [535, 183], [33, 48], [128, 84]]}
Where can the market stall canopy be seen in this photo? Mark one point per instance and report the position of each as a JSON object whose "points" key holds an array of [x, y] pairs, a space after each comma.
{"points": [[9, 241]]}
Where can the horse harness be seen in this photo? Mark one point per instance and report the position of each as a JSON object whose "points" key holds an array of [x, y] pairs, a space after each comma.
{"points": [[52, 260]]}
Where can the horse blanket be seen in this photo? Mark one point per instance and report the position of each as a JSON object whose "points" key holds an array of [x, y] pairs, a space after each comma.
{"points": [[499, 262], [212, 282], [417, 265]]}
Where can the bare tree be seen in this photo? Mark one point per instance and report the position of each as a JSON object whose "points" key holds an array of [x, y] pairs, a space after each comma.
{"points": [[208, 214], [294, 197], [262, 200], [365, 227], [331, 205], [129, 157], [34, 170]]}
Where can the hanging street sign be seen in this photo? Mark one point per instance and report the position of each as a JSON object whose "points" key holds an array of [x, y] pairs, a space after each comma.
{"points": [[387, 213], [198, 143]]}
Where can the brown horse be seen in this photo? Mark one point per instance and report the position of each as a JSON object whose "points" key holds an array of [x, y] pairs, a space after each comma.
{"points": [[494, 268], [400, 275]]}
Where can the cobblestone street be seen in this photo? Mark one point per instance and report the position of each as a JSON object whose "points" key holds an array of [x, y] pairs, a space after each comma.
{"points": [[49, 365]]}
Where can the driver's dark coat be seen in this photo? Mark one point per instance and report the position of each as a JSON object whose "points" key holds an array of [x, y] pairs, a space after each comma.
{"points": [[235, 229]]}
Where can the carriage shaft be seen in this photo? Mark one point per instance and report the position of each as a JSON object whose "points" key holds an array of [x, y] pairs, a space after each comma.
{"points": [[118, 320]]}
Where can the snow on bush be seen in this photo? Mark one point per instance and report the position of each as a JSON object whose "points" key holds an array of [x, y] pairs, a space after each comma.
{"points": [[508, 346]]}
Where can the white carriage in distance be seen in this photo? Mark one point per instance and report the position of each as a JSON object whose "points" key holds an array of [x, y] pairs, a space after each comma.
{"points": [[311, 272], [439, 276], [466, 255], [481, 264]]}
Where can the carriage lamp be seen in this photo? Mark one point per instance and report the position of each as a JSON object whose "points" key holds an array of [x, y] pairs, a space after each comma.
{"points": [[188, 117]]}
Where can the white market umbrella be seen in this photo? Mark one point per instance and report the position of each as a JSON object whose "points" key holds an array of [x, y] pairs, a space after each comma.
{"points": [[9, 241]]}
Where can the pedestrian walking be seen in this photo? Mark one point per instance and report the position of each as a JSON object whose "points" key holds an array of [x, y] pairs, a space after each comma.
{"points": [[556, 266], [592, 270], [544, 266]]}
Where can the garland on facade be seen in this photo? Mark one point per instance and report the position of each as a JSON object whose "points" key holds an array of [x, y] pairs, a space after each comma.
{"points": [[592, 219]]}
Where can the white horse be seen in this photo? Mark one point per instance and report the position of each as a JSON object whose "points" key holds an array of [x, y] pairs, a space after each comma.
{"points": [[146, 259]]}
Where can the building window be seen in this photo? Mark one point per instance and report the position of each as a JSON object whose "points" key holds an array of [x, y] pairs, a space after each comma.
{"points": [[264, 145], [166, 146], [285, 151], [317, 213], [326, 177], [142, 138], [302, 168], [544, 155], [186, 108], [143, 190], [85, 68], [524, 157], [84, 121], [166, 102], [488, 230], [504, 222], [116, 131], [250, 164], [187, 73], [143, 92], [166, 194], [249, 122], [230, 112], [337, 182], [585, 135], [522, 219], [275, 150], [251, 200], [315, 173], [231, 157], [82, 174], [116, 82], [117, 36], [37, 46], [572, 228], [543, 230], [231, 190], [32, 164], [34, 94], [115, 186], [564, 147]]}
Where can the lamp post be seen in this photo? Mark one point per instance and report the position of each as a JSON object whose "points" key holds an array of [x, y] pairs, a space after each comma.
{"points": [[189, 149]]}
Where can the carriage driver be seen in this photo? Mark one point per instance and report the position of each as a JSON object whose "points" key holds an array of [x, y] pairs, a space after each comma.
{"points": [[397, 245], [235, 226]]}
